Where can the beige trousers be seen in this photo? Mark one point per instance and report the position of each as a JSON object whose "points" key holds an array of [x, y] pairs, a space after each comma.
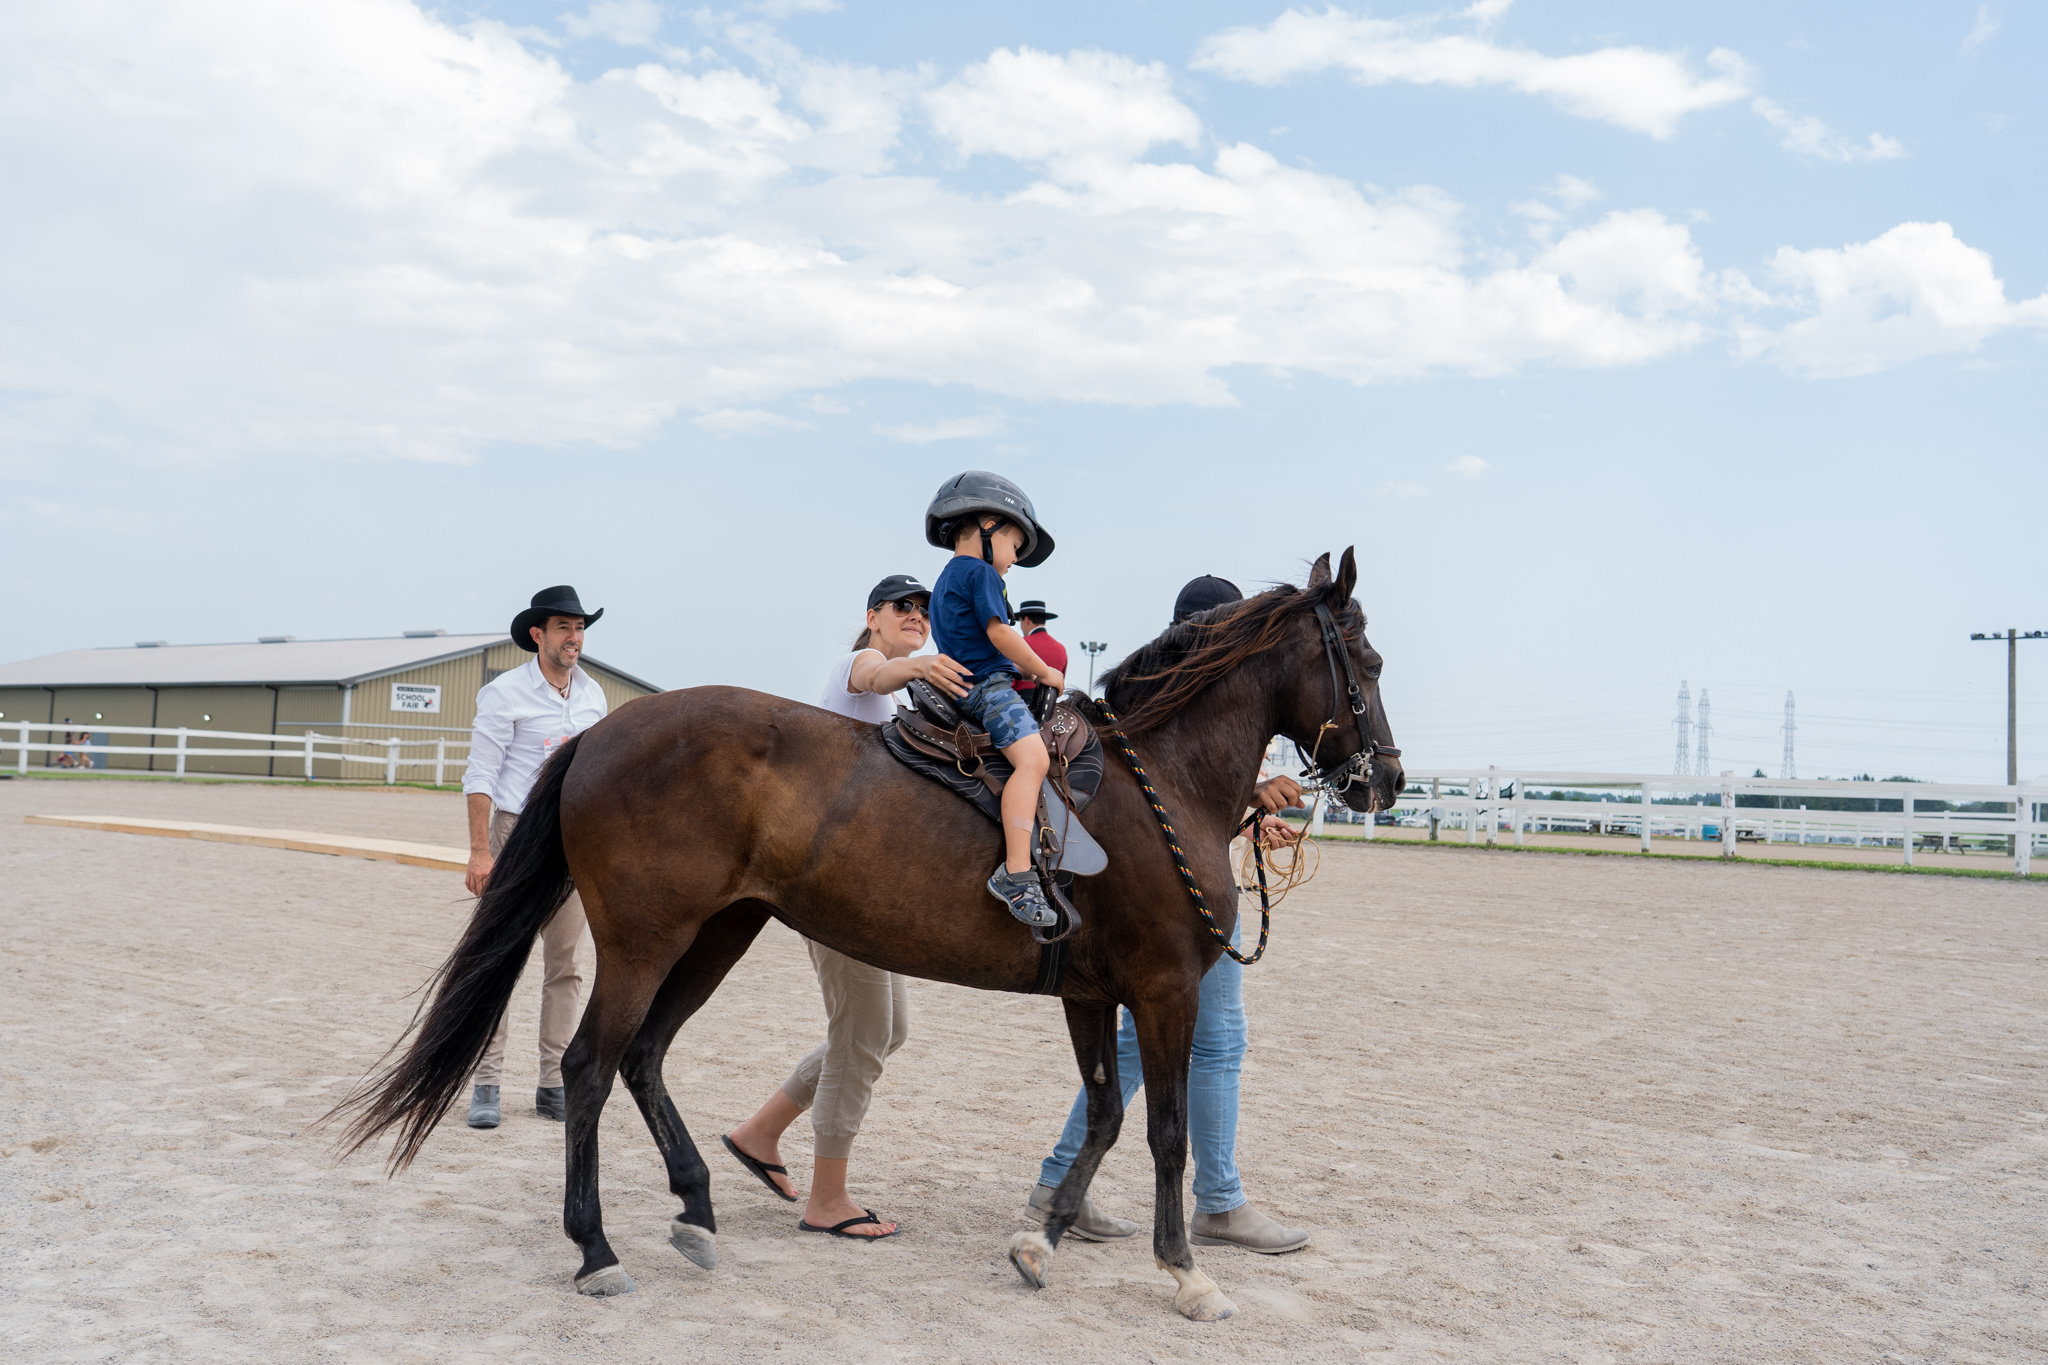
{"points": [[867, 1017], [561, 983]]}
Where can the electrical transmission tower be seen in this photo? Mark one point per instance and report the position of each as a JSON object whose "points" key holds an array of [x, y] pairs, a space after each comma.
{"points": [[1703, 729], [1684, 724], [1787, 768]]}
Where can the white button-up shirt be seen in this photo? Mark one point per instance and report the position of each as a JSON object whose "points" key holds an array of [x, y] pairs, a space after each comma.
{"points": [[520, 718]]}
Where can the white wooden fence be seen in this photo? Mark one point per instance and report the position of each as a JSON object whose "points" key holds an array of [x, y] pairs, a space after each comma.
{"points": [[291, 755], [1494, 801]]}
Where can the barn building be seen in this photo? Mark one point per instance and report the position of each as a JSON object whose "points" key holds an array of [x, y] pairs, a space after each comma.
{"points": [[411, 687]]}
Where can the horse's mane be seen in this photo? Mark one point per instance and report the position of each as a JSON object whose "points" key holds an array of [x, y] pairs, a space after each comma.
{"points": [[1157, 681]]}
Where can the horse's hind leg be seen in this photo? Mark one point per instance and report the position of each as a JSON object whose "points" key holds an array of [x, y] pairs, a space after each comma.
{"points": [[618, 1002], [1093, 1030], [722, 941], [1166, 1037]]}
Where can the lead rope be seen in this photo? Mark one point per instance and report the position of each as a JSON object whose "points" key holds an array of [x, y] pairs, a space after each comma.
{"points": [[1180, 859]]}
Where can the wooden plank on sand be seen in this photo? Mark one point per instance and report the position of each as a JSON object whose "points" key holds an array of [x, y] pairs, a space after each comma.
{"points": [[299, 840]]}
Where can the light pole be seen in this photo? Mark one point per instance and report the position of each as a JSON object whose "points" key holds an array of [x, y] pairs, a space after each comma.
{"points": [[1093, 648], [2012, 640]]}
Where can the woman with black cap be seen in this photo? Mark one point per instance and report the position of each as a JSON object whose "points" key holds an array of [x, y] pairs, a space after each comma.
{"points": [[867, 1011]]}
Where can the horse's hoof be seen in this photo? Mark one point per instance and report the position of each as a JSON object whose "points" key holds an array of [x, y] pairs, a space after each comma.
{"points": [[700, 1245], [1198, 1299], [1032, 1255], [605, 1283]]}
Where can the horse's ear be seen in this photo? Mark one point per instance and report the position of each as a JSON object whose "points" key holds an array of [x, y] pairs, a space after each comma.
{"points": [[1319, 576], [1347, 579]]}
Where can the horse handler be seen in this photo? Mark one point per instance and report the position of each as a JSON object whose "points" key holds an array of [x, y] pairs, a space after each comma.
{"points": [[521, 716]]}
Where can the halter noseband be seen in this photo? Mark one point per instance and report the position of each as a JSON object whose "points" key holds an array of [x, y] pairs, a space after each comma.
{"points": [[1340, 775]]}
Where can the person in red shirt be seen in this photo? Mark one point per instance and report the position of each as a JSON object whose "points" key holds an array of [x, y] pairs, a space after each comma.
{"points": [[1031, 619]]}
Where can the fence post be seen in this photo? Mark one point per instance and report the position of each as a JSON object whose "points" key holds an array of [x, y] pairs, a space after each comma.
{"points": [[1906, 813], [440, 758], [1472, 789], [1728, 813], [1492, 805], [391, 760], [1646, 817], [309, 755], [1436, 788], [2022, 832], [182, 732], [21, 763]]}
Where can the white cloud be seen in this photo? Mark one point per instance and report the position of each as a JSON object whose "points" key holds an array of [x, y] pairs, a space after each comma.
{"points": [[1980, 32], [1915, 291], [1630, 87], [1468, 466], [1808, 136], [629, 23], [359, 230], [1036, 106], [954, 429]]}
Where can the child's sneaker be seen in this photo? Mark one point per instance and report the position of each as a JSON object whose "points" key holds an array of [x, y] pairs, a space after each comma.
{"points": [[1023, 895]]}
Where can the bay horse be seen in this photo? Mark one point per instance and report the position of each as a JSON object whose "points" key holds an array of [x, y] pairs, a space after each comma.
{"points": [[689, 819]]}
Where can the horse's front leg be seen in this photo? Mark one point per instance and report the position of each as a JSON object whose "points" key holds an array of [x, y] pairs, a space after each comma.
{"points": [[1166, 1039], [1093, 1030]]}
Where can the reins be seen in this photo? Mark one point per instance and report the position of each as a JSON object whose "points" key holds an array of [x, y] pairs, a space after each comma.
{"points": [[1180, 859]]}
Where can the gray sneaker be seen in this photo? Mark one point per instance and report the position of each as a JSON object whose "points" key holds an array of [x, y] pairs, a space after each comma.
{"points": [[1093, 1225], [483, 1107], [1024, 896]]}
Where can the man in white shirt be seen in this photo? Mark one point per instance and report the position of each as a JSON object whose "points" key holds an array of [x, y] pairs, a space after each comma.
{"points": [[521, 716]]}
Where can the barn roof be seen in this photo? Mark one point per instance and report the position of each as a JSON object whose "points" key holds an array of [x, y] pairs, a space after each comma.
{"points": [[281, 663]]}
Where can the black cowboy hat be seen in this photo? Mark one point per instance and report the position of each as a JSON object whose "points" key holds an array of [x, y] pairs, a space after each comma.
{"points": [[1036, 607], [556, 601]]}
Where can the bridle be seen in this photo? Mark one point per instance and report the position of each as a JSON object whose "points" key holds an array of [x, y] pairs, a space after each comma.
{"points": [[1341, 775]]}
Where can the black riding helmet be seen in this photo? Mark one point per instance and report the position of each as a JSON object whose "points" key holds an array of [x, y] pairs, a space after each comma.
{"points": [[978, 491]]}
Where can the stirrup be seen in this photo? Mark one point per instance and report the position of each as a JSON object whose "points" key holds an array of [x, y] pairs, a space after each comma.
{"points": [[1068, 919]]}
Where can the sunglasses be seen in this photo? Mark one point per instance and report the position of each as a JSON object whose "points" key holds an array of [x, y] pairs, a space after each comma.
{"points": [[905, 607]]}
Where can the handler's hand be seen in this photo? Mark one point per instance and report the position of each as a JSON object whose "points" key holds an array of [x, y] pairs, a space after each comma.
{"points": [[943, 673], [1277, 833], [1276, 794], [480, 865]]}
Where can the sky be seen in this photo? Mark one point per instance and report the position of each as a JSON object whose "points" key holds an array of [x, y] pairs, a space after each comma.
{"points": [[1629, 346]]}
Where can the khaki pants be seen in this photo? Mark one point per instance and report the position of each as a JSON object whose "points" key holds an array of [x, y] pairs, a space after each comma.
{"points": [[867, 1017], [561, 982]]}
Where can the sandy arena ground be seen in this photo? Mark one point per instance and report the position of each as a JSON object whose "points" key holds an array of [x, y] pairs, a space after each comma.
{"points": [[1534, 1108]]}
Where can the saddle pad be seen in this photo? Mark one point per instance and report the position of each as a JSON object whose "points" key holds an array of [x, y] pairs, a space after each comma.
{"points": [[1084, 773]]}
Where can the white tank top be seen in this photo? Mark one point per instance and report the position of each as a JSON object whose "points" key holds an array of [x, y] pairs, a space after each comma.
{"points": [[865, 706]]}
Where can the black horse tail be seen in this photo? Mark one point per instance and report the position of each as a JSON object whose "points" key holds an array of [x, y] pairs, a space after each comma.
{"points": [[528, 883]]}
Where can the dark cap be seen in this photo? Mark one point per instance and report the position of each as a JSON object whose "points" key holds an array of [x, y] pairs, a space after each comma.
{"points": [[895, 588], [1204, 594]]}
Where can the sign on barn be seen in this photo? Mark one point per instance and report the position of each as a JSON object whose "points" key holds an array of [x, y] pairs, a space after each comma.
{"points": [[416, 697]]}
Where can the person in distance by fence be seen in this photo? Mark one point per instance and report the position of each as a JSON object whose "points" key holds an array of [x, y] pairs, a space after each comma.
{"points": [[521, 716]]}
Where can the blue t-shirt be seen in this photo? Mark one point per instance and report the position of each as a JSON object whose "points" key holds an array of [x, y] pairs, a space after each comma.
{"points": [[968, 595]]}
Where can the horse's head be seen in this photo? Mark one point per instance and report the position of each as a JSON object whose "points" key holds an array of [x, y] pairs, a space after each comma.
{"points": [[1332, 708]]}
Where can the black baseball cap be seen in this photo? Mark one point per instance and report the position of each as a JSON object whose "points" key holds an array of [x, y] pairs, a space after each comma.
{"points": [[895, 588], [1204, 594]]}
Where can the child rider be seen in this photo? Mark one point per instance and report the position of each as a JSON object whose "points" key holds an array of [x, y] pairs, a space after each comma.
{"points": [[989, 525]]}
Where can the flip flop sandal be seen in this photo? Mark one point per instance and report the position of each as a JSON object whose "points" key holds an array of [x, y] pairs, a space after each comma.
{"points": [[761, 1169], [840, 1229]]}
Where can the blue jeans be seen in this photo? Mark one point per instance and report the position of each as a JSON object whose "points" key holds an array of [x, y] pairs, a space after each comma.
{"points": [[1220, 1040]]}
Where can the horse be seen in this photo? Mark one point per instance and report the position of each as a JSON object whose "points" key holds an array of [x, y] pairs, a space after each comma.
{"points": [[689, 819]]}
